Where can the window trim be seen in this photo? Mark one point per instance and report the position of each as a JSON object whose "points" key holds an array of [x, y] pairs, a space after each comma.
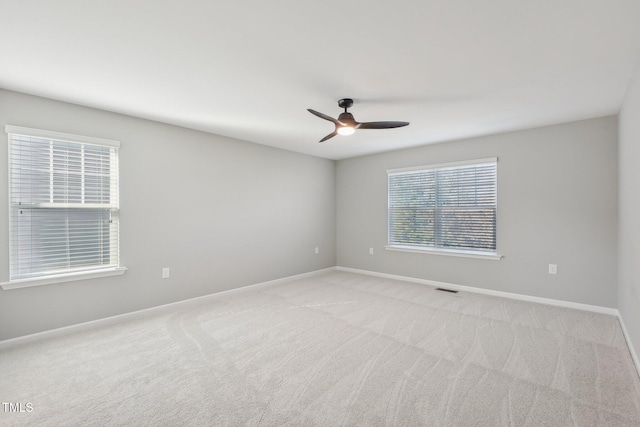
{"points": [[74, 275], [19, 130], [447, 252], [491, 255], [444, 165], [62, 278]]}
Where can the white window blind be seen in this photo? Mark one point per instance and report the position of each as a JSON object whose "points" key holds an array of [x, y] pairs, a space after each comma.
{"points": [[63, 203], [450, 207]]}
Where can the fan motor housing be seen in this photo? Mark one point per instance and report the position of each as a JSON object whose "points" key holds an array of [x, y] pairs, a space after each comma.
{"points": [[347, 119]]}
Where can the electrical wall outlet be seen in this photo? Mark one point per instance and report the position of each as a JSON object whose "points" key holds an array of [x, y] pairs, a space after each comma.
{"points": [[165, 273], [553, 268], [370, 251], [317, 250]]}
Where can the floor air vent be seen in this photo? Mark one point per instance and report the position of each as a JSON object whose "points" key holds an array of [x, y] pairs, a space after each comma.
{"points": [[446, 290]]}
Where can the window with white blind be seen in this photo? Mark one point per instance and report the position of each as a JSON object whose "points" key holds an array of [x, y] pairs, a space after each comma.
{"points": [[446, 208], [63, 196]]}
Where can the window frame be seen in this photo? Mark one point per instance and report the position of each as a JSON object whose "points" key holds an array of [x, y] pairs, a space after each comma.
{"points": [[77, 273], [435, 250]]}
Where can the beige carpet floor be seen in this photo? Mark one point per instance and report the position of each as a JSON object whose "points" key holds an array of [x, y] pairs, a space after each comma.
{"points": [[330, 350]]}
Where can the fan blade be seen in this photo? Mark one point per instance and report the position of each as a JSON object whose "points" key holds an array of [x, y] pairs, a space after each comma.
{"points": [[331, 135], [323, 116], [381, 125]]}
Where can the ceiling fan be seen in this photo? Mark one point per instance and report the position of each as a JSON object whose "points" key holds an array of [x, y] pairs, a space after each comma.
{"points": [[346, 124]]}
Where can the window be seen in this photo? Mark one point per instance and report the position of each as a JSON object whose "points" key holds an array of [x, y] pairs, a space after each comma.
{"points": [[63, 196], [446, 208]]}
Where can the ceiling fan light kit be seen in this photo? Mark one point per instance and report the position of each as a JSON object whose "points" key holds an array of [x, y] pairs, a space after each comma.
{"points": [[346, 124], [346, 130]]}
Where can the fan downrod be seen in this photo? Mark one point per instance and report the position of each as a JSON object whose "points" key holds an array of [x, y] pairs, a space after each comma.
{"points": [[345, 103]]}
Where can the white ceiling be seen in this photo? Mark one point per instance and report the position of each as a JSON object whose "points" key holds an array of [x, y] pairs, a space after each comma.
{"points": [[250, 69]]}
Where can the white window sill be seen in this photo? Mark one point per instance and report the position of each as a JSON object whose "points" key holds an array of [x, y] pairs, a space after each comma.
{"points": [[446, 252], [61, 278]]}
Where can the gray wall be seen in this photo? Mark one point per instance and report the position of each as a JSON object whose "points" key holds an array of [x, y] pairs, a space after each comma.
{"points": [[629, 220], [557, 203], [221, 213]]}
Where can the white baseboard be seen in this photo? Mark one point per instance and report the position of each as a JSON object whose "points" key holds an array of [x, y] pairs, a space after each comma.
{"points": [[510, 295], [632, 350], [134, 315]]}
